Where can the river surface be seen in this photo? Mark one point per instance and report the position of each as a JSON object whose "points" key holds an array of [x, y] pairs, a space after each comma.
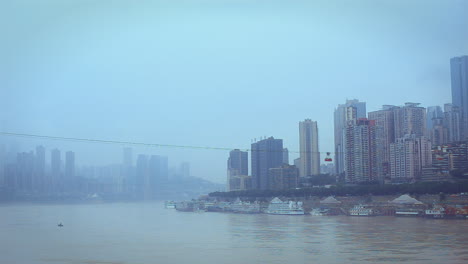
{"points": [[143, 233]]}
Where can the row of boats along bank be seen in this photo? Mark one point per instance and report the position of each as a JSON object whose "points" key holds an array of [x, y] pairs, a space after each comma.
{"points": [[275, 206], [404, 205]]}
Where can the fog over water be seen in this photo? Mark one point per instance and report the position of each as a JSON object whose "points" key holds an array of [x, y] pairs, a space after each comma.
{"points": [[214, 73], [148, 233]]}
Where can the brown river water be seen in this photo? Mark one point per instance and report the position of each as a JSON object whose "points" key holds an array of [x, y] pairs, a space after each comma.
{"points": [[143, 233]]}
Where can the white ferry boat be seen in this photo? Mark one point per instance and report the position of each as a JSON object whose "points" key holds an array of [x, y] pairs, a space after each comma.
{"points": [[360, 210], [169, 204], [436, 212], [279, 207], [408, 212], [245, 207]]}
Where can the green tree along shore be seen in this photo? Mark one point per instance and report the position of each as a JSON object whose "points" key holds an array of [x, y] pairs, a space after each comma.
{"points": [[342, 190]]}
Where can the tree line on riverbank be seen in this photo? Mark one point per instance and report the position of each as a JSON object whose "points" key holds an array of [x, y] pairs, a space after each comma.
{"points": [[359, 190]]}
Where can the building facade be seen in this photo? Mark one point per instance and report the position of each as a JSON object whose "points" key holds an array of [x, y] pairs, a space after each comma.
{"points": [[453, 122], [408, 155], [309, 148], [384, 136], [459, 81], [341, 117], [237, 165], [433, 112], [283, 178], [265, 154], [285, 156], [361, 151], [410, 119]]}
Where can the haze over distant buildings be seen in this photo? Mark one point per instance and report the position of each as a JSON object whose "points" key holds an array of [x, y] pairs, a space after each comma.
{"points": [[216, 74]]}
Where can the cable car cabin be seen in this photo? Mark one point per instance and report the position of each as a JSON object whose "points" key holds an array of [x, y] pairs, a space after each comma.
{"points": [[328, 158]]}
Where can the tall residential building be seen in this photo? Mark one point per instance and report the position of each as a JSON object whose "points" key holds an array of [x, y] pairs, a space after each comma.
{"points": [[69, 164], [265, 154], [141, 179], [157, 174], [459, 80], [3, 157], [297, 163], [408, 155], [25, 171], [283, 178], [410, 119], [384, 136], [127, 157], [361, 151], [158, 169], [285, 156], [39, 169], [237, 165], [55, 164], [128, 171], [439, 133], [240, 183], [341, 117], [185, 170], [433, 112], [452, 121], [309, 148]]}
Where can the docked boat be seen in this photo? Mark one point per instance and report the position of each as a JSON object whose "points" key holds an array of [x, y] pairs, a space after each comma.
{"points": [[279, 207], [360, 210], [408, 212], [245, 207], [185, 206], [319, 211], [436, 212], [169, 204]]}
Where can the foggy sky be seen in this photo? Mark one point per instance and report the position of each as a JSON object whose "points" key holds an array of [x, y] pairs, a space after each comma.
{"points": [[214, 73]]}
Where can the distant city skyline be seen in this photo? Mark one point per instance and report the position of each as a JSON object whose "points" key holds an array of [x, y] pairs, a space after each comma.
{"points": [[217, 74]]}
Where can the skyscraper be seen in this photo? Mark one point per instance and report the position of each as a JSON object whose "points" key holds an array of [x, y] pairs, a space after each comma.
{"points": [[39, 169], [56, 164], [408, 155], [185, 169], [452, 121], [25, 171], [361, 150], [283, 178], [384, 136], [285, 156], [158, 170], [69, 178], [237, 165], [439, 133], [459, 78], [433, 112], [341, 117], [266, 154], [141, 179], [69, 164], [127, 157], [410, 119], [154, 180], [3, 158], [309, 148]]}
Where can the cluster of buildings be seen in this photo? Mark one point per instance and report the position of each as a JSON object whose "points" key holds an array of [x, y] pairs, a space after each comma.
{"points": [[29, 173], [270, 162], [39, 174], [397, 144]]}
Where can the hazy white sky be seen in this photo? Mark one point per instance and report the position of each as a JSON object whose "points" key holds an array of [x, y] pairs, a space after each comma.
{"points": [[215, 73]]}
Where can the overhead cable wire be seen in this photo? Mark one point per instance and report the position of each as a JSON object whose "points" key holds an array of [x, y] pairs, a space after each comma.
{"points": [[119, 142]]}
